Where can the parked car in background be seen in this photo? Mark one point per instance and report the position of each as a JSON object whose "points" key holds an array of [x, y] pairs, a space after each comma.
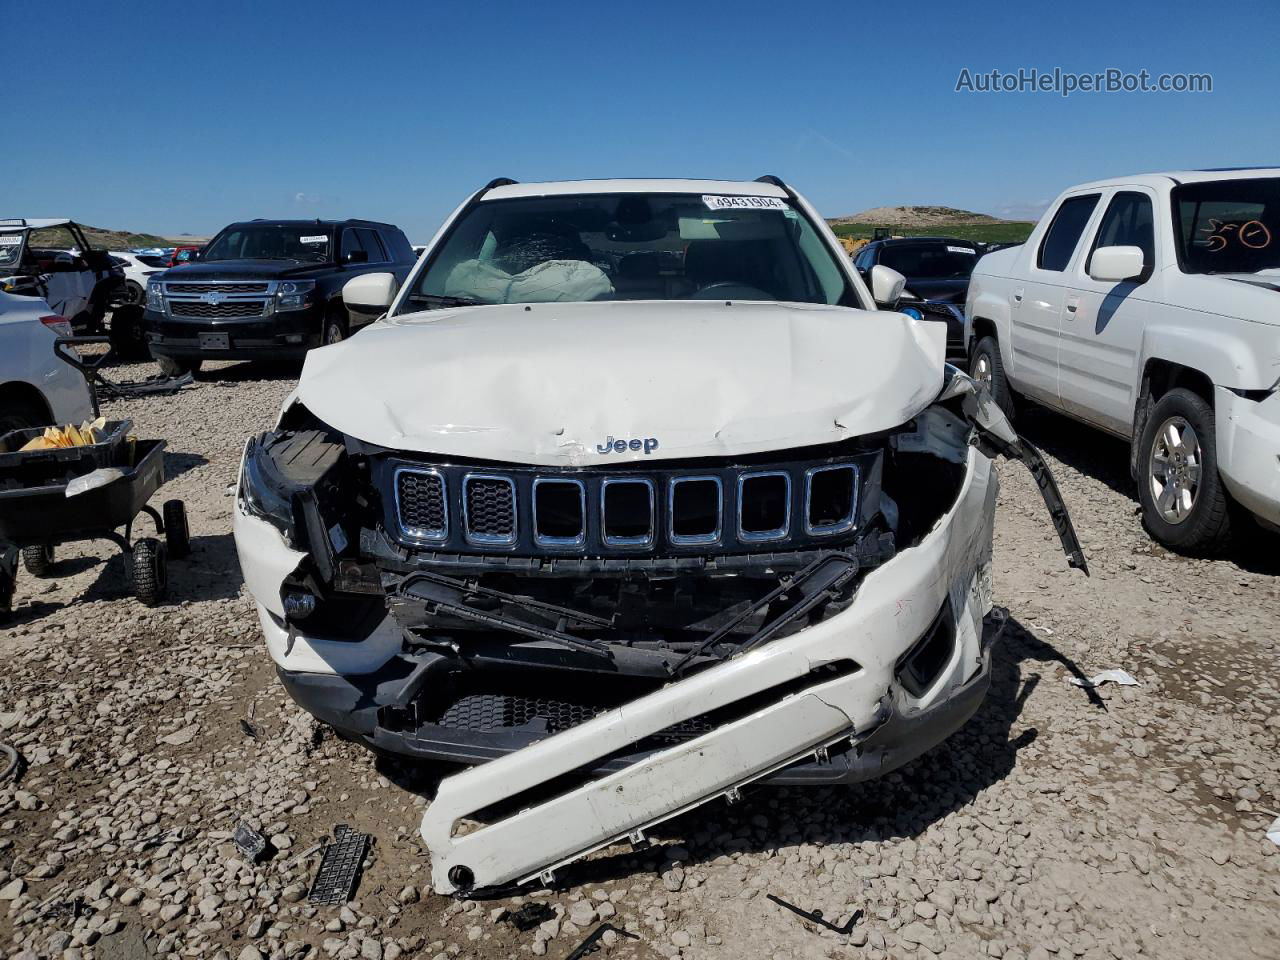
{"points": [[937, 271], [1149, 307], [635, 480], [183, 254], [51, 260], [138, 268], [266, 288], [36, 388]]}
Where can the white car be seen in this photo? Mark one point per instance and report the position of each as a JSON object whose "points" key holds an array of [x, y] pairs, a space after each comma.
{"points": [[137, 268], [636, 494], [1149, 307], [36, 388]]}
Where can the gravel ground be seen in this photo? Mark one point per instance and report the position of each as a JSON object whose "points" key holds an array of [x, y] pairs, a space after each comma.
{"points": [[1122, 822]]}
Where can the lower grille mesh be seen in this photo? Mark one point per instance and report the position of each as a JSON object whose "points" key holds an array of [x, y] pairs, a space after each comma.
{"points": [[487, 712]]}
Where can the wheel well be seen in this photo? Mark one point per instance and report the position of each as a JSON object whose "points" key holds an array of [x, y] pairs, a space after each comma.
{"points": [[982, 327], [1158, 378], [1161, 376], [19, 394]]}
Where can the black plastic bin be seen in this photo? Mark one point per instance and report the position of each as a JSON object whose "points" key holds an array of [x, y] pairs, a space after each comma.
{"points": [[19, 468]]}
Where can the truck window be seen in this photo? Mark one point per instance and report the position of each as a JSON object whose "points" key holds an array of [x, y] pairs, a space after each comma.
{"points": [[1228, 226], [1128, 222], [369, 240], [1064, 232], [351, 243]]}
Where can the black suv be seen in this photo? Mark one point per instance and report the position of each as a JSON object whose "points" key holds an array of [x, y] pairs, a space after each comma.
{"points": [[937, 271], [266, 288]]}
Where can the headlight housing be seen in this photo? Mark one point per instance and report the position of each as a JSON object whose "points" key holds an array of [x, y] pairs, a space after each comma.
{"points": [[262, 490], [155, 296], [293, 294]]}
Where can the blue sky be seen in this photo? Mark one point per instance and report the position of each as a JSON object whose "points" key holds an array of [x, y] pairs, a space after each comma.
{"points": [[181, 118]]}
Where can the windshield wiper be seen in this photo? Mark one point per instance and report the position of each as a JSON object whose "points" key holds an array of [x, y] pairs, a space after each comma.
{"points": [[440, 300]]}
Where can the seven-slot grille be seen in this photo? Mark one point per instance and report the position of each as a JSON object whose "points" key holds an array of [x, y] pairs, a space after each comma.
{"points": [[600, 512], [216, 311]]}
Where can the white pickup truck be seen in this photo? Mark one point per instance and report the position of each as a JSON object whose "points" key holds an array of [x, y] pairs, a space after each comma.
{"points": [[1149, 307]]}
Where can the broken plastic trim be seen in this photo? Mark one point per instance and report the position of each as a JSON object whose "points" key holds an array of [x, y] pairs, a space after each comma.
{"points": [[996, 435]]}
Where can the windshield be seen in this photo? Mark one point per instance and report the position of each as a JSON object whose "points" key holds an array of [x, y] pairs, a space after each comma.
{"points": [[269, 241], [930, 261], [630, 246], [1228, 226], [10, 249]]}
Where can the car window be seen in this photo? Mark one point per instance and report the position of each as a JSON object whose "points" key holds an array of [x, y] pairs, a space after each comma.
{"points": [[1228, 226], [1128, 222], [631, 246], [350, 242], [865, 259], [369, 240], [397, 245], [1064, 232], [933, 261]]}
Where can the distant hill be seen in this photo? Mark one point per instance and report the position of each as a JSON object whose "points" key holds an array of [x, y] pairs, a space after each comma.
{"points": [[918, 216], [99, 238], [909, 221]]}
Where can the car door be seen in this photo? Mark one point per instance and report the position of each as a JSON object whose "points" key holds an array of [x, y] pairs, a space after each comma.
{"points": [[1102, 321], [1036, 301]]}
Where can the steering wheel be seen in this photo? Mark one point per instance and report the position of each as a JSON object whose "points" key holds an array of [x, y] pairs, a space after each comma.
{"points": [[731, 290]]}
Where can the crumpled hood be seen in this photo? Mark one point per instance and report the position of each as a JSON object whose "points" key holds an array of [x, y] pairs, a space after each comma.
{"points": [[551, 384]]}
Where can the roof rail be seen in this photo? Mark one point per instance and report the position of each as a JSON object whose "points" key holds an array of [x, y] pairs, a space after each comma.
{"points": [[498, 182], [777, 182]]}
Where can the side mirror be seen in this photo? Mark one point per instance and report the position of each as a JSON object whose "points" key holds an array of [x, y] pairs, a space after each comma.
{"points": [[886, 285], [1114, 264], [356, 256], [371, 293]]}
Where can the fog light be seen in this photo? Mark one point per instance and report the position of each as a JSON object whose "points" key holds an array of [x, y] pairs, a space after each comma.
{"points": [[293, 338], [299, 606]]}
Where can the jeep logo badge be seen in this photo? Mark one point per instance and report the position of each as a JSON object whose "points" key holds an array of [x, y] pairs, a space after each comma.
{"points": [[648, 445]]}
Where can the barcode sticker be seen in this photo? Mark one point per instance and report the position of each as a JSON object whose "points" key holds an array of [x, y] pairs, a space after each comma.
{"points": [[319, 239], [743, 203], [951, 249], [10, 239]]}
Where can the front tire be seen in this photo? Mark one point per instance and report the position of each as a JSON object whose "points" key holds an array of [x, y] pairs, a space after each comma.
{"points": [[128, 338], [176, 366], [335, 328], [1185, 505], [985, 366]]}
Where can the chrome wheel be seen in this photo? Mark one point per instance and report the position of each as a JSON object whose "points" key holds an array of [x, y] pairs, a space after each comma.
{"points": [[1174, 469], [982, 369], [332, 333]]}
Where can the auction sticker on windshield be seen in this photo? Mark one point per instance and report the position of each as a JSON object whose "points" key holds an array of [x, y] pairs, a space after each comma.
{"points": [[743, 203], [320, 239], [10, 239], [968, 250]]}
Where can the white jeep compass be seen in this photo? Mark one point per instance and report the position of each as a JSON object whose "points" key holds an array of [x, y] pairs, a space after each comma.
{"points": [[633, 496]]}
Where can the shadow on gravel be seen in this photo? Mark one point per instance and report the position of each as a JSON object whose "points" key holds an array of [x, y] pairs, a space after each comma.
{"points": [[901, 804], [212, 572], [176, 464], [252, 371]]}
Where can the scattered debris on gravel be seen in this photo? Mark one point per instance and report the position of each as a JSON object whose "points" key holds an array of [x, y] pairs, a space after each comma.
{"points": [[1108, 822]]}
